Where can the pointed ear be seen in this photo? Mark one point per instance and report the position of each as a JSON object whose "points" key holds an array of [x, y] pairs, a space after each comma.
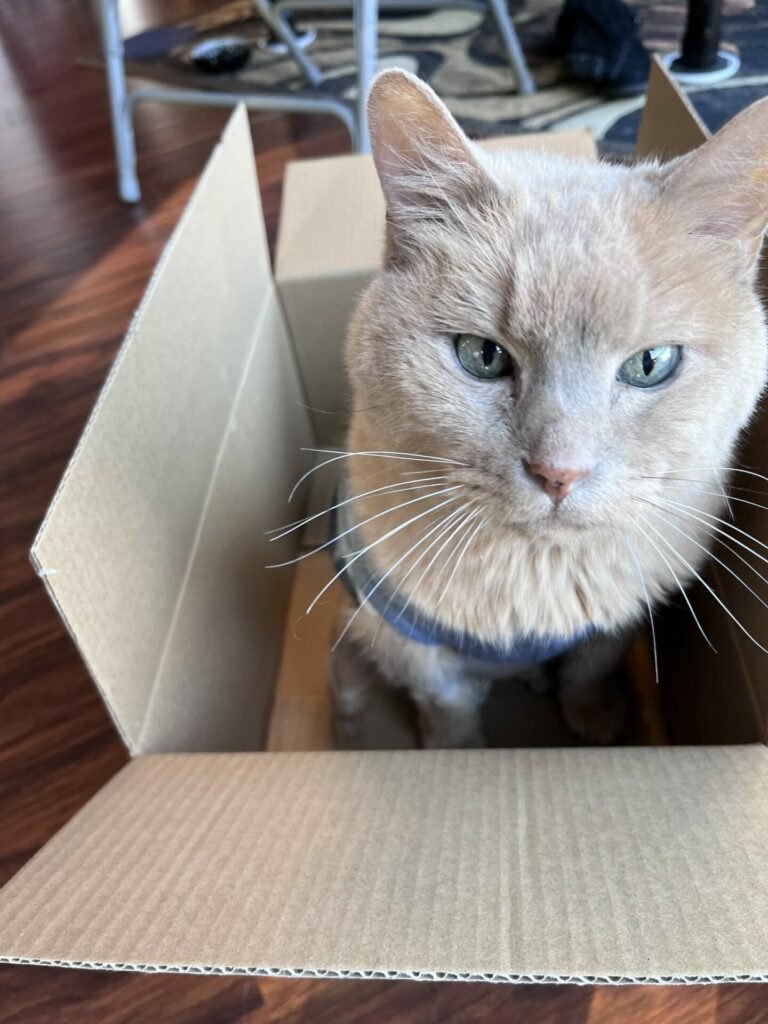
{"points": [[427, 166], [722, 187]]}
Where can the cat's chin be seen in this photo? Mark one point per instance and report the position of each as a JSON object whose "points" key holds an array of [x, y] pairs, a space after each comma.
{"points": [[557, 520]]}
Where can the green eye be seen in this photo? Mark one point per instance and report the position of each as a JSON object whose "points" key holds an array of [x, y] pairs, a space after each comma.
{"points": [[482, 358], [650, 367]]}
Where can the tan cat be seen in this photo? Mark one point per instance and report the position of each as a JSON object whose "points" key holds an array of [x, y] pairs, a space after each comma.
{"points": [[549, 377]]}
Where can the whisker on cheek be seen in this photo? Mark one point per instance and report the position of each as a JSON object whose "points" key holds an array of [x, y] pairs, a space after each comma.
{"points": [[688, 536], [420, 484], [639, 572], [704, 583], [338, 456], [676, 578], [370, 519], [384, 577]]}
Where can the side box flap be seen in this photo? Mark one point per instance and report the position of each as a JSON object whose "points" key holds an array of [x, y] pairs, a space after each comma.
{"points": [[669, 126], [523, 865], [117, 547], [723, 695]]}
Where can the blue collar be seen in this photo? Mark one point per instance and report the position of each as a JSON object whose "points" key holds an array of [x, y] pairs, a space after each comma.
{"points": [[364, 583]]}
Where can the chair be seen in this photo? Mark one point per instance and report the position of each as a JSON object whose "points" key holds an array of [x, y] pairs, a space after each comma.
{"points": [[123, 100]]}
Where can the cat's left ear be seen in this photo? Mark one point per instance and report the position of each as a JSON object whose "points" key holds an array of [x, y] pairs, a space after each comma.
{"points": [[721, 188]]}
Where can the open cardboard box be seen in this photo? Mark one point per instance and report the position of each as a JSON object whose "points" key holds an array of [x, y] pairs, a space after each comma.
{"points": [[208, 854]]}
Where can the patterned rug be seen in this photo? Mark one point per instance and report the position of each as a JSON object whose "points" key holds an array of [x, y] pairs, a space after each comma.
{"points": [[459, 53]]}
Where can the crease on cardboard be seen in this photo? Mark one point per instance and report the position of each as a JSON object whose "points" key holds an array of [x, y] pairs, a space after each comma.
{"points": [[229, 428]]}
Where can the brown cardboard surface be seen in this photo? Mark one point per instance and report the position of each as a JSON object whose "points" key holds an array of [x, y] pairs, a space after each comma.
{"points": [[669, 125], [214, 685], [119, 545], [599, 865], [330, 245]]}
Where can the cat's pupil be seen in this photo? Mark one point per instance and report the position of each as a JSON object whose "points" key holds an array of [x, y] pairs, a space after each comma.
{"points": [[648, 362], [489, 352]]}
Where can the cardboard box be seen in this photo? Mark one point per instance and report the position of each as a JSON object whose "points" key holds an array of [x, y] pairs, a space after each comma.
{"points": [[206, 854]]}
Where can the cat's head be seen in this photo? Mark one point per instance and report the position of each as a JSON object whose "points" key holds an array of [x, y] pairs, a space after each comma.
{"points": [[569, 332]]}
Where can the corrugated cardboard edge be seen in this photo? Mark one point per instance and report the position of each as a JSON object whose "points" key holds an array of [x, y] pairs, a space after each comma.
{"points": [[235, 120], [302, 972]]}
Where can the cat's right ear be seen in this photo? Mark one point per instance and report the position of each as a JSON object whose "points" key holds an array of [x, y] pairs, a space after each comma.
{"points": [[721, 188], [428, 168]]}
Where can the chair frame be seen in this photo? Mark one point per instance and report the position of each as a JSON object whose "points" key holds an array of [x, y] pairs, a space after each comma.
{"points": [[123, 100]]}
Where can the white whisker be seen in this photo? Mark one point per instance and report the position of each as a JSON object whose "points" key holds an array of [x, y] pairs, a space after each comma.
{"points": [[381, 580], [396, 488], [680, 586], [719, 494], [380, 540], [720, 469], [691, 509], [402, 456], [690, 480], [714, 532], [456, 528], [447, 522], [364, 522], [704, 583], [711, 554], [649, 606], [458, 562]]}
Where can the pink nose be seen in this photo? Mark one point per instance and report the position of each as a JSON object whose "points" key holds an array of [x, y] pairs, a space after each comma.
{"points": [[556, 483]]}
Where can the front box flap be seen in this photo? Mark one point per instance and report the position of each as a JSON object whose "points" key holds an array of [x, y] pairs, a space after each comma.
{"points": [[167, 465], [571, 865]]}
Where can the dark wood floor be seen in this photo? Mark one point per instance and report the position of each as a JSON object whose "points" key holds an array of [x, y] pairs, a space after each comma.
{"points": [[73, 264]]}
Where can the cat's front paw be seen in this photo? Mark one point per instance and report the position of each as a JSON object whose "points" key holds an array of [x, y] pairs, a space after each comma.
{"points": [[597, 714]]}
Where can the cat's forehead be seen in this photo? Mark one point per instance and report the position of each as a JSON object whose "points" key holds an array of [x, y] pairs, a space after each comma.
{"points": [[575, 258]]}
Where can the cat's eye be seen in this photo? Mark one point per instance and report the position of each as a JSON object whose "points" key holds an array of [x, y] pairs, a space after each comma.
{"points": [[482, 357], [650, 367]]}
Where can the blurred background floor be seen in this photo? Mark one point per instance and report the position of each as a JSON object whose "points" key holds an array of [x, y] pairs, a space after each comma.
{"points": [[73, 264]]}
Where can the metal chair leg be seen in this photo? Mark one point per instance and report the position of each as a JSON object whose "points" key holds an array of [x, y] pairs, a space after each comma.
{"points": [[366, 18], [277, 24], [525, 82], [120, 110]]}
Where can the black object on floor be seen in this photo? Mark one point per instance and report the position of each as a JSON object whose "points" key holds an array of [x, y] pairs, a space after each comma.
{"points": [[600, 42]]}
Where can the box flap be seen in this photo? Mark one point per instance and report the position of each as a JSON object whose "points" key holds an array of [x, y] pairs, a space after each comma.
{"points": [[708, 702], [570, 865], [121, 543], [332, 213], [669, 125]]}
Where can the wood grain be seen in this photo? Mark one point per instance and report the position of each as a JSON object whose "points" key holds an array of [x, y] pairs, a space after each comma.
{"points": [[72, 267]]}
